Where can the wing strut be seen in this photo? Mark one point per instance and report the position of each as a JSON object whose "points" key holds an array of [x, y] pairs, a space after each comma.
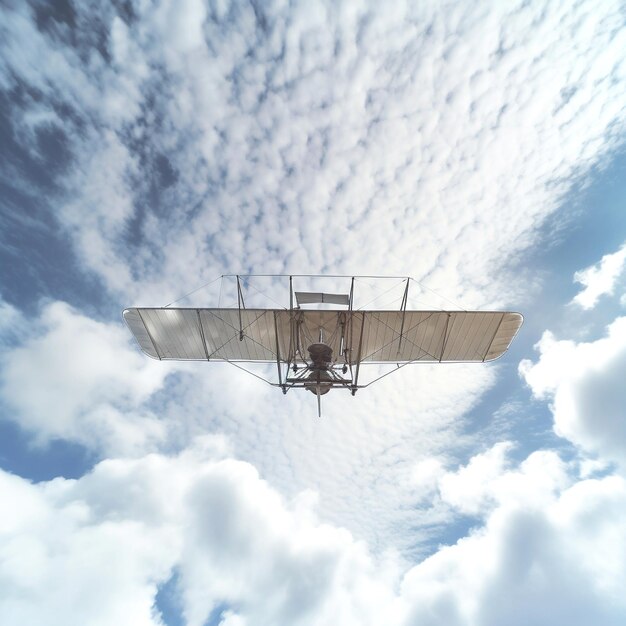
{"points": [[280, 377], [358, 359], [405, 297], [240, 304]]}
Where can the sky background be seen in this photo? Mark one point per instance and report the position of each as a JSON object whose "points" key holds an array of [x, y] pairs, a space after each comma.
{"points": [[147, 148]]}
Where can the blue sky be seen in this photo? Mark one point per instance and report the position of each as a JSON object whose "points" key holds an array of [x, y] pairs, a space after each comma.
{"points": [[148, 148]]}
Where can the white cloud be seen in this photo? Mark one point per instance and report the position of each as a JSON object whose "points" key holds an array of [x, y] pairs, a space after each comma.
{"points": [[467, 488], [541, 556], [485, 481], [585, 384], [97, 548], [530, 564], [361, 132], [60, 565], [425, 477], [599, 279], [422, 140], [79, 379], [11, 322]]}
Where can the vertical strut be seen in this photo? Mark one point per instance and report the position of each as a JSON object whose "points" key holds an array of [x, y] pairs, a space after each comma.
{"points": [[293, 349], [445, 338], [350, 307], [206, 352], [358, 361], [280, 376], [240, 305], [405, 297]]}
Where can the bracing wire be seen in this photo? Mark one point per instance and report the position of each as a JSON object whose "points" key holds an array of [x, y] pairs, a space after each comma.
{"points": [[243, 369], [265, 295], [248, 285], [405, 338], [389, 302], [308, 276], [382, 294], [194, 291], [391, 371], [455, 304], [221, 277]]}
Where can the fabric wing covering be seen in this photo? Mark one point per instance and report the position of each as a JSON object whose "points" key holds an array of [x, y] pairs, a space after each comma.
{"points": [[368, 336]]}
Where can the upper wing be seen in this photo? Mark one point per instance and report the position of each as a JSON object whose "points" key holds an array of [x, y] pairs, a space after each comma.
{"points": [[443, 336], [366, 336], [205, 334]]}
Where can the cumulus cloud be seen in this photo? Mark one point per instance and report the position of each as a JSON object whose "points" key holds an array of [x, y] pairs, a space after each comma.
{"points": [[486, 480], [79, 379], [599, 279], [60, 565], [98, 548], [584, 383], [534, 561]]}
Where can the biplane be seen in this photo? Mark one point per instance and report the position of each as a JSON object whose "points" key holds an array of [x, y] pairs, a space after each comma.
{"points": [[321, 341]]}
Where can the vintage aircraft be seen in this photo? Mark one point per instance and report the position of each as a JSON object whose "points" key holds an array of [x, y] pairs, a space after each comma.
{"points": [[321, 348]]}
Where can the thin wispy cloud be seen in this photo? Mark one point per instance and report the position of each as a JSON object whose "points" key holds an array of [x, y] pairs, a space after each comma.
{"points": [[338, 124]]}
